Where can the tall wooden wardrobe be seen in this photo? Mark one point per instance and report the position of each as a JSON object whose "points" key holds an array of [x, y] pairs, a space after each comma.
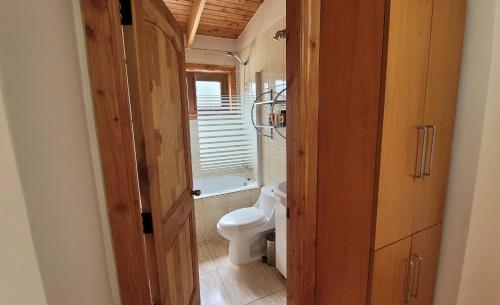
{"points": [[389, 76]]}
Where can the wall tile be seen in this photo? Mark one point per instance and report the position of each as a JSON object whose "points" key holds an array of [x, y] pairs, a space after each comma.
{"points": [[240, 200], [215, 206], [210, 228], [267, 56], [198, 208], [255, 195], [211, 209], [200, 231]]}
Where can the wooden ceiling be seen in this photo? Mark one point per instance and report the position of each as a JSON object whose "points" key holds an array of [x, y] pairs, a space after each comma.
{"points": [[219, 18]]}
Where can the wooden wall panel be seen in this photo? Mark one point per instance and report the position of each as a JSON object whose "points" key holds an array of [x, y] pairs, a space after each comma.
{"points": [[352, 35]]}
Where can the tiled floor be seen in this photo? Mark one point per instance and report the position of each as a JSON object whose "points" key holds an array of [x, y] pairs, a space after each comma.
{"points": [[222, 283]]}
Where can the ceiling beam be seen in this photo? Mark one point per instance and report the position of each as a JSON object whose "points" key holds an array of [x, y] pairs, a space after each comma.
{"points": [[194, 21]]}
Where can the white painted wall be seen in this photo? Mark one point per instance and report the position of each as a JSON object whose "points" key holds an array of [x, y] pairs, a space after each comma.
{"points": [[267, 56], [480, 283], [20, 281], [270, 12], [44, 96], [214, 43], [469, 271]]}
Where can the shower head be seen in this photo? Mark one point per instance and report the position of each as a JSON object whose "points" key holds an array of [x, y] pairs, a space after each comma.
{"points": [[236, 55], [280, 35]]}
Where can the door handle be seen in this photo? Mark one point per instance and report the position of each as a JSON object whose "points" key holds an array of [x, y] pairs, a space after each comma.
{"points": [[420, 167], [420, 266], [409, 281], [428, 173], [196, 192]]}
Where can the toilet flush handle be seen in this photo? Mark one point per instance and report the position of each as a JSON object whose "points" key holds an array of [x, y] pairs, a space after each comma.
{"points": [[196, 192]]}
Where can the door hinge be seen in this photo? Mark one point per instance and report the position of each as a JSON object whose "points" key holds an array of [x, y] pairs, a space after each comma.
{"points": [[147, 222], [126, 12], [287, 212]]}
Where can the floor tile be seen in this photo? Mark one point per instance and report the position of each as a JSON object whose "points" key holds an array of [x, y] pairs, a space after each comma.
{"points": [[205, 262], [278, 298], [250, 282], [219, 250], [212, 291]]}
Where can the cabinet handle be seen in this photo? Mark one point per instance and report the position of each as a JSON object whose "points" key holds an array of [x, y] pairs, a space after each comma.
{"points": [[420, 266], [409, 280], [428, 173], [421, 165]]}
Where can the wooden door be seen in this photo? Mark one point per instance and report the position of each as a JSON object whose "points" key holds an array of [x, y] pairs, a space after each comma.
{"points": [[157, 84], [440, 104], [409, 27], [390, 274], [424, 255]]}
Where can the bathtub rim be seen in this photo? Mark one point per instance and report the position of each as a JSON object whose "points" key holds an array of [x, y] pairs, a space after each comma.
{"points": [[234, 190]]}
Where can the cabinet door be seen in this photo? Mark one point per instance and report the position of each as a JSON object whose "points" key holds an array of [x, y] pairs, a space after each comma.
{"points": [[424, 255], [407, 56], [389, 276], [440, 103]]}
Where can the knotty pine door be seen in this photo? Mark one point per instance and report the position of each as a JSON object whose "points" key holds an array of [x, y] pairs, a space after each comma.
{"points": [[154, 47]]}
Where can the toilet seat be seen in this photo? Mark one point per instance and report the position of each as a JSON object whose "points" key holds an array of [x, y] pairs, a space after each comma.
{"points": [[245, 218]]}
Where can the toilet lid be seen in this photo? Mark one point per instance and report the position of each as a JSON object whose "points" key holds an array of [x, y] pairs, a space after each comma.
{"points": [[243, 218]]}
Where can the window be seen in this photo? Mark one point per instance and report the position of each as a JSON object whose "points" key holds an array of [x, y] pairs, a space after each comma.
{"points": [[204, 88], [222, 137], [202, 84]]}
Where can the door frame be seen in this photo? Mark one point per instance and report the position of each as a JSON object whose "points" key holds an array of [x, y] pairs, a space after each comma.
{"points": [[302, 77], [110, 97]]}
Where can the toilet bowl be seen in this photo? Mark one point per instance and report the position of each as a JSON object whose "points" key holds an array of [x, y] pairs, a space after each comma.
{"points": [[245, 228]]}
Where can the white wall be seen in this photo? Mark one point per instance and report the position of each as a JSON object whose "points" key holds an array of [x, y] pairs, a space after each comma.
{"points": [[44, 99], [270, 12], [469, 270], [20, 281], [480, 283], [214, 43], [269, 57]]}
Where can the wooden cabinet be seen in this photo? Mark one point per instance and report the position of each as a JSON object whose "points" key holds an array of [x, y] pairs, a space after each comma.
{"points": [[424, 50], [406, 72], [440, 104], [389, 277], [404, 272], [423, 64], [424, 255], [389, 79]]}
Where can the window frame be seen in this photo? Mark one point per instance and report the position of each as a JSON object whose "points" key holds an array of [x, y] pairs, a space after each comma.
{"points": [[205, 72]]}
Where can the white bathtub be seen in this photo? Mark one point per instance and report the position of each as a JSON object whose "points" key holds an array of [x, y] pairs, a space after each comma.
{"points": [[217, 185]]}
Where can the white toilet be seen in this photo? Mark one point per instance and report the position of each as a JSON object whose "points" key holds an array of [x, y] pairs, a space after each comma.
{"points": [[245, 228]]}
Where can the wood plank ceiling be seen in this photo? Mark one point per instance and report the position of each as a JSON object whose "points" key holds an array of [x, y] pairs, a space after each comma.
{"points": [[219, 18]]}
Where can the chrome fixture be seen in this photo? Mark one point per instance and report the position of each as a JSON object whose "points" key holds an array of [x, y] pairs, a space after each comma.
{"points": [[273, 126], [280, 35], [236, 55]]}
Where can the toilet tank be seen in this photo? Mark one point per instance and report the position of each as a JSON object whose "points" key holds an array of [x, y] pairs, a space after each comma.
{"points": [[266, 201]]}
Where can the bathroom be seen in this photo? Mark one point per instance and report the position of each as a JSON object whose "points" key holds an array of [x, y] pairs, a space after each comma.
{"points": [[237, 148]]}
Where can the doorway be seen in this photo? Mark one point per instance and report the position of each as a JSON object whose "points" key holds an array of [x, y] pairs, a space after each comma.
{"points": [[130, 158], [238, 153]]}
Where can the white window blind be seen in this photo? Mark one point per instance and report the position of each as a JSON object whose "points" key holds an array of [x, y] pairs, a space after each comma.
{"points": [[227, 139]]}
